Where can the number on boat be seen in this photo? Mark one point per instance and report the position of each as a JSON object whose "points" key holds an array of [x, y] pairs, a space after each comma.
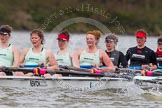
{"points": [[37, 83]]}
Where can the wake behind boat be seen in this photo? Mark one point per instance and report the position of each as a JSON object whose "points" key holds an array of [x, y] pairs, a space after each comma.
{"points": [[71, 83]]}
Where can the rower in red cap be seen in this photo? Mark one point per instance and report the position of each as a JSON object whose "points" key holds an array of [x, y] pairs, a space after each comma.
{"points": [[141, 56], [159, 52]]}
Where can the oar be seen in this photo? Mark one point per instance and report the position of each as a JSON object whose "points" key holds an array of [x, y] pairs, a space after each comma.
{"points": [[40, 71], [93, 70], [142, 72], [127, 70], [74, 68]]}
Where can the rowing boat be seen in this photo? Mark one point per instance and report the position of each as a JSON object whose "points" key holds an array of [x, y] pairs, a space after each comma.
{"points": [[148, 83], [71, 83]]}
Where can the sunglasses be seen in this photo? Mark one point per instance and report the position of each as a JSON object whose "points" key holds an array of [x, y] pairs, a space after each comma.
{"points": [[160, 43], [3, 34]]}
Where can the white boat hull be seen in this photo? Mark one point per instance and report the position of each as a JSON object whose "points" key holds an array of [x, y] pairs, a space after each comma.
{"points": [[148, 83], [72, 83]]}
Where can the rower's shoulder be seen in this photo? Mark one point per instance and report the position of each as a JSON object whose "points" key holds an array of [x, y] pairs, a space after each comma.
{"points": [[48, 52], [80, 50], [135, 47], [102, 51], [147, 48], [14, 47], [25, 50]]}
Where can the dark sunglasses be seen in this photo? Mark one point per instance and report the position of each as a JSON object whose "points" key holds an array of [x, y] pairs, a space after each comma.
{"points": [[160, 43]]}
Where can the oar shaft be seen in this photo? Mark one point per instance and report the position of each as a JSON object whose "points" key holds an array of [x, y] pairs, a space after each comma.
{"points": [[75, 68], [68, 72], [44, 71], [127, 70], [74, 73], [16, 69]]}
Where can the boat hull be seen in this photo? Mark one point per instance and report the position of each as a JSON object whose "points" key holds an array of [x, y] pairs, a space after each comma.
{"points": [[71, 83], [148, 83]]}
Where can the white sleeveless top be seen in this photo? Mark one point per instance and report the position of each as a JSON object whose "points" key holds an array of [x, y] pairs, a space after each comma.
{"points": [[64, 59], [35, 58], [90, 58], [6, 56]]}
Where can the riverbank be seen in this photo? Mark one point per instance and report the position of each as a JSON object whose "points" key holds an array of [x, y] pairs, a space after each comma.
{"points": [[122, 17]]}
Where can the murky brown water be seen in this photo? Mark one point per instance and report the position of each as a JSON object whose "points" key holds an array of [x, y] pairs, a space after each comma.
{"points": [[38, 98]]}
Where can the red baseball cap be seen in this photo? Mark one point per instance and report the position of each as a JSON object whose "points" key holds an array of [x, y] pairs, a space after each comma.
{"points": [[141, 34], [63, 37]]}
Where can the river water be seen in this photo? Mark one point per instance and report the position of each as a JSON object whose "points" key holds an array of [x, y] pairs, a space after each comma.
{"points": [[51, 98]]}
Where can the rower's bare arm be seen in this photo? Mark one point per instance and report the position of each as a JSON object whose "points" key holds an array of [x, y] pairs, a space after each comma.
{"points": [[76, 58], [22, 56], [16, 54], [52, 61], [154, 67], [72, 54], [109, 65]]}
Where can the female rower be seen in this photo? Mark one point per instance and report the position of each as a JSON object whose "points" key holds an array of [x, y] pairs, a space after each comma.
{"points": [[117, 57], [141, 56], [37, 54], [64, 56], [9, 54], [159, 52], [92, 55]]}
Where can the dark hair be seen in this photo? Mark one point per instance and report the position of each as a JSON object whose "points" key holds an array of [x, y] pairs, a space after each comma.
{"points": [[65, 32], [159, 40], [6, 29], [39, 32]]}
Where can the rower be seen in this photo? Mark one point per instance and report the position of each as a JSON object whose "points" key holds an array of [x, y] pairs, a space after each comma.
{"points": [[37, 54], [93, 55], [64, 55], [117, 57], [141, 55], [9, 54], [159, 52]]}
